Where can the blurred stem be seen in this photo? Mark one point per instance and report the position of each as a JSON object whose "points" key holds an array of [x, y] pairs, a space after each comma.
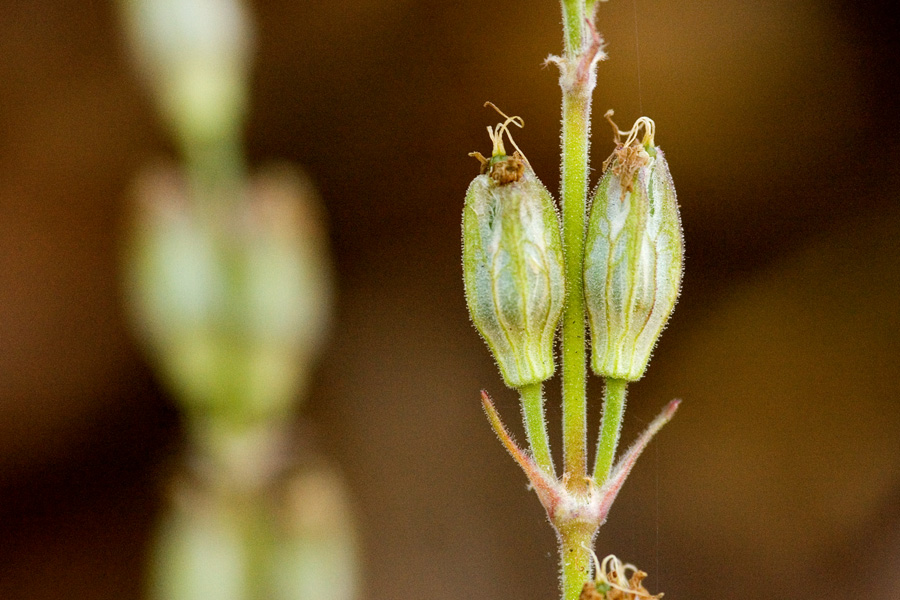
{"points": [[217, 171], [536, 426], [610, 426], [257, 565]]}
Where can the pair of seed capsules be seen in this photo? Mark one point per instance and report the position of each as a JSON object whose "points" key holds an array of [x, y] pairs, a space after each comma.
{"points": [[514, 267]]}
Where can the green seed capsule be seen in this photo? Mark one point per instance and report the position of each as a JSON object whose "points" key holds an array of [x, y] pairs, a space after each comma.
{"points": [[513, 263], [633, 255]]}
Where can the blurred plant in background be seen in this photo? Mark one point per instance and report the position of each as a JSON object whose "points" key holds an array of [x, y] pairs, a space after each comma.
{"points": [[229, 285]]}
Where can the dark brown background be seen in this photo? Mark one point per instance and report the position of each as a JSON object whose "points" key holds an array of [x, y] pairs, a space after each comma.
{"points": [[780, 476]]}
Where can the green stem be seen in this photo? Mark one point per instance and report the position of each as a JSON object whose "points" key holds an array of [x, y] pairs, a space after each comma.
{"points": [[573, 25], [610, 426], [575, 536], [576, 112], [217, 173], [536, 426], [257, 559], [574, 542]]}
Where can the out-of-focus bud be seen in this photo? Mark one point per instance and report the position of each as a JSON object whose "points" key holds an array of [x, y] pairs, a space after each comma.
{"points": [[513, 263], [317, 556], [231, 301], [268, 526], [200, 550], [633, 255], [195, 55]]}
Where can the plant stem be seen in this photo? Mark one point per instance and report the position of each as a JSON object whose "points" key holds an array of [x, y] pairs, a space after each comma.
{"points": [[576, 110], [536, 426], [576, 81], [574, 374], [574, 542], [610, 426], [216, 173], [573, 25]]}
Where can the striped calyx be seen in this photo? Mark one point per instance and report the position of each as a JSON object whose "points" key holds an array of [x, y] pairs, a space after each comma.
{"points": [[633, 255], [513, 263]]}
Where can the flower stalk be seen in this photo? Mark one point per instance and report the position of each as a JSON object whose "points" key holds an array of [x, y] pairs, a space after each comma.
{"points": [[610, 426], [536, 426]]}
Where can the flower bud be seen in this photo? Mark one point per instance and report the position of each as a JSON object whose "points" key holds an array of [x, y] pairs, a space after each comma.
{"points": [[263, 523], [513, 263], [633, 255], [195, 55], [231, 304]]}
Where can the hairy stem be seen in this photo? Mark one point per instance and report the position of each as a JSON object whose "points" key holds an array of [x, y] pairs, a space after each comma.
{"points": [[576, 81], [574, 543], [576, 112], [536, 426], [610, 426], [573, 25]]}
